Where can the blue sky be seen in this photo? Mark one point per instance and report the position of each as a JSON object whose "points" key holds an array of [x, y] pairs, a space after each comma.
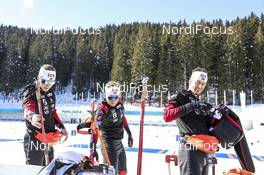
{"points": [[94, 13]]}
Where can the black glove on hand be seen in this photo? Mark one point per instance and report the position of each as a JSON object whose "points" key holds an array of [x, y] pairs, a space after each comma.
{"points": [[201, 107], [130, 141], [223, 110]]}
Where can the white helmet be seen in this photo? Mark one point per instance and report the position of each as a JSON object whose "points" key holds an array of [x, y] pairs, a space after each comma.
{"points": [[47, 75]]}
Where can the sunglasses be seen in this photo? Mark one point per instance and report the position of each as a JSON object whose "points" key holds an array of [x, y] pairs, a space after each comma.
{"points": [[47, 82], [114, 98]]}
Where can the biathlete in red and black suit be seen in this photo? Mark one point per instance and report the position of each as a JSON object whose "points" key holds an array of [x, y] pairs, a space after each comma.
{"points": [[111, 120], [191, 118], [33, 147]]}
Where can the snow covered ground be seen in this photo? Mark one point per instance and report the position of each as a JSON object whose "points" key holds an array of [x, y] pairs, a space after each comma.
{"points": [[160, 139]]}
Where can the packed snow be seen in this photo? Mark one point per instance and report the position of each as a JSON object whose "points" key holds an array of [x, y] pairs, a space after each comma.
{"points": [[160, 138]]}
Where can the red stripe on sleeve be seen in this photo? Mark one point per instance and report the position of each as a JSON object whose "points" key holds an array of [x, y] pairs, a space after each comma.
{"points": [[172, 112], [29, 107], [56, 116]]}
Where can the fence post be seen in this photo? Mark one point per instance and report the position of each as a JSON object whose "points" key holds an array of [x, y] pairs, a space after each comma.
{"points": [[216, 98], [126, 98], [76, 96], [234, 98], [224, 97], [251, 96], [161, 99], [242, 99]]}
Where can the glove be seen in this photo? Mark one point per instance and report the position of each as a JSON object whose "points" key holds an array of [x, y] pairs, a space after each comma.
{"points": [[130, 141], [82, 125], [99, 120], [201, 107], [173, 100], [223, 110], [36, 120], [198, 107], [217, 115]]}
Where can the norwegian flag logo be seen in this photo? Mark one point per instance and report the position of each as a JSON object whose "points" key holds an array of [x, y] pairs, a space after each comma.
{"points": [[203, 76], [51, 76]]}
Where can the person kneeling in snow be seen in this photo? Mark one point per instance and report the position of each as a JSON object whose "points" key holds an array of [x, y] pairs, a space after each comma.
{"points": [[111, 120], [34, 142]]}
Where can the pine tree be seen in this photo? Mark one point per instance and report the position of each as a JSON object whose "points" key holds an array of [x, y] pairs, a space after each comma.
{"points": [[122, 57], [142, 60], [248, 34], [102, 46], [14, 62], [258, 65], [169, 67], [236, 55], [128, 51], [214, 46], [66, 52], [2, 55], [185, 47], [83, 63], [35, 56]]}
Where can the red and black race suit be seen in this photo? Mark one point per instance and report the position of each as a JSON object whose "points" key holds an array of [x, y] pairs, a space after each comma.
{"points": [[112, 122], [30, 105], [33, 148], [189, 123], [191, 160]]}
